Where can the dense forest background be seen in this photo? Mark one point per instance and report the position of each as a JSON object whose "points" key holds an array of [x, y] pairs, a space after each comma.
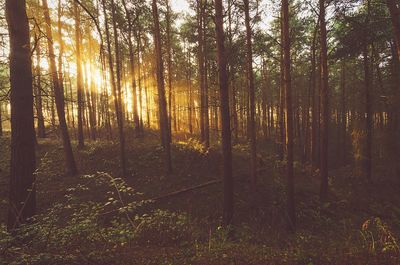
{"points": [[199, 132]]}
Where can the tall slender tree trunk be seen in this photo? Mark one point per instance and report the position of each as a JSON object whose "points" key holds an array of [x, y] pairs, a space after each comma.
{"points": [[22, 193], [115, 89], [205, 92], [169, 65], [79, 81], [225, 116], [162, 104], [265, 109], [91, 98], [251, 91], [368, 102], [324, 105], [118, 92], [146, 94], [190, 97], [132, 66], [395, 18], [71, 168], [368, 116], [314, 105], [41, 131], [139, 48], [282, 102], [1, 119], [343, 112], [201, 50], [289, 115]]}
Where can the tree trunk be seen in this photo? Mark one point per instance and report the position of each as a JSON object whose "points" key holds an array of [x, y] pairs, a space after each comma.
{"points": [[132, 66], [201, 50], [289, 115], [1, 119], [114, 89], [118, 92], [281, 141], [91, 95], [265, 109], [205, 92], [139, 47], [22, 194], [324, 104], [162, 104], [368, 116], [395, 18], [41, 131], [79, 82], [251, 91], [169, 66], [343, 118], [71, 168], [225, 116], [314, 106]]}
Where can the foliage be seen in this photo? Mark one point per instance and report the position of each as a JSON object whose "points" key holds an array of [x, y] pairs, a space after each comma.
{"points": [[94, 230], [378, 237], [193, 145]]}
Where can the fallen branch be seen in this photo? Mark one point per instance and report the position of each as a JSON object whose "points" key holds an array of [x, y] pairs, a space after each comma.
{"points": [[175, 193]]}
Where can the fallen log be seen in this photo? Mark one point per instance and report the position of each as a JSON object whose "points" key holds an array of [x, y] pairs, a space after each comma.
{"points": [[175, 193]]}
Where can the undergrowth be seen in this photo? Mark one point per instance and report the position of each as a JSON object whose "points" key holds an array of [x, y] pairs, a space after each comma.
{"points": [[92, 232]]}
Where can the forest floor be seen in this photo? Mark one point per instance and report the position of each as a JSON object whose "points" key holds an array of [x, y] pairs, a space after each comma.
{"points": [[359, 225]]}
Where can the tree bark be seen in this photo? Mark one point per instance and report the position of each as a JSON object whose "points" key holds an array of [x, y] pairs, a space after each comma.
{"points": [[395, 18], [1, 119], [132, 66], [169, 66], [314, 112], [41, 131], [343, 118], [324, 105], [251, 91], [118, 92], [225, 116], [71, 168], [289, 115], [79, 81], [22, 193], [162, 104], [114, 90], [201, 50]]}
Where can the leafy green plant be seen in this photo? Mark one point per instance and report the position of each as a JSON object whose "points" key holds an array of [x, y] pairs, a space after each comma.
{"points": [[193, 145], [378, 238], [82, 230]]}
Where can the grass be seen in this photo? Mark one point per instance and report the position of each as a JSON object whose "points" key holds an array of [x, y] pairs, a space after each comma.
{"points": [[331, 233]]}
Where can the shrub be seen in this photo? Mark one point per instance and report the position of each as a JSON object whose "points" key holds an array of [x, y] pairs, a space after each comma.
{"points": [[79, 231]]}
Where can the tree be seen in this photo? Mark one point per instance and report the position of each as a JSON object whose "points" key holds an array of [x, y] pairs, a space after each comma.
{"points": [[368, 101], [118, 92], [22, 200], [324, 104], [225, 116], [251, 91], [41, 130], [289, 114], [79, 81], [169, 66], [1, 119], [201, 28], [71, 168], [115, 85], [132, 66], [395, 19], [162, 103]]}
